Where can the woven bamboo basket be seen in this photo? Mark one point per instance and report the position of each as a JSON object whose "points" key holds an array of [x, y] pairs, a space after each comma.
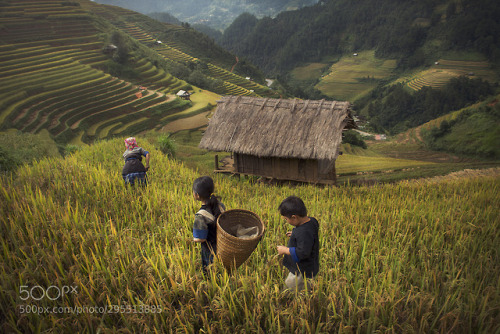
{"points": [[233, 251]]}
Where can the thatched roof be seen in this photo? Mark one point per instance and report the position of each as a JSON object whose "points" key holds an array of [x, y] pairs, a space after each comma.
{"points": [[278, 128]]}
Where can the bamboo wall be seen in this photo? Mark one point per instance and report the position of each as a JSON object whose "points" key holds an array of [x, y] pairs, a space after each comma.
{"points": [[283, 168]]}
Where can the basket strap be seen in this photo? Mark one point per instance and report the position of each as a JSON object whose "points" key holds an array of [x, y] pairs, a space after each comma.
{"points": [[206, 214]]}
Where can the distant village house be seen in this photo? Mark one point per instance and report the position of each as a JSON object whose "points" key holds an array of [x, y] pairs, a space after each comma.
{"points": [[184, 95], [280, 139], [110, 48]]}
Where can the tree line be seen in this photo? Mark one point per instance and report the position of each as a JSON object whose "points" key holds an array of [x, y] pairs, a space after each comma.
{"points": [[400, 29], [393, 109]]}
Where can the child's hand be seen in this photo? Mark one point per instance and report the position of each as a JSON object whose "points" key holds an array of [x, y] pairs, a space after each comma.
{"points": [[283, 250], [289, 234]]}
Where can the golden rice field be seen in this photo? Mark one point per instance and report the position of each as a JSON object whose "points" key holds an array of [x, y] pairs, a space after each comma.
{"points": [[443, 70], [353, 76], [348, 163], [80, 253]]}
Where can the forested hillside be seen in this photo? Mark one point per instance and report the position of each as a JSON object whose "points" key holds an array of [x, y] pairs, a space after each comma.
{"points": [[217, 14], [393, 109], [413, 32]]}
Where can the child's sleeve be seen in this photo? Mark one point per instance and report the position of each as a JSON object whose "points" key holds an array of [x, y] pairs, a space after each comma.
{"points": [[303, 250], [200, 227]]}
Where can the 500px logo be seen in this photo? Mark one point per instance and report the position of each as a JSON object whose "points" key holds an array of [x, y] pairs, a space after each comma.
{"points": [[52, 292]]}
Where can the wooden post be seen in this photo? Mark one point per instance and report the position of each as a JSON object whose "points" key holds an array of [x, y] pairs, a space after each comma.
{"points": [[216, 162]]}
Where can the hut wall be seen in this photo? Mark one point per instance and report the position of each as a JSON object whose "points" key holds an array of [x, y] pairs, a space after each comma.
{"points": [[281, 168]]}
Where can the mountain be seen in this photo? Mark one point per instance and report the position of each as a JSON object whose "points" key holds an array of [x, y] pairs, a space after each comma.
{"points": [[217, 14], [414, 33], [85, 71], [379, 55]]}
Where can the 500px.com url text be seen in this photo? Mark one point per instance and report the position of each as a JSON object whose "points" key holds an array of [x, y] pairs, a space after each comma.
{"points": [[35, 309]]}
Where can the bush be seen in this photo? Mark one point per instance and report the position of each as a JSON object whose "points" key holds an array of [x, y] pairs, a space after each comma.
{"points": [[26, 147], [167, 145], [70, 148], [353, 138], [7, 161], [474, 132]]}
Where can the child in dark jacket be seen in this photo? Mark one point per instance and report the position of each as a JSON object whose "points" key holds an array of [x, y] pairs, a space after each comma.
{"points": [[301, 257], [205, 220]]}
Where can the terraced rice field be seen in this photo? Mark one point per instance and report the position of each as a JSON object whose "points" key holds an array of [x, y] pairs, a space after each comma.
{"points": [[349, 164], [232, 84], [54, 76], [354, 76], [52, 73], [439, 74]]}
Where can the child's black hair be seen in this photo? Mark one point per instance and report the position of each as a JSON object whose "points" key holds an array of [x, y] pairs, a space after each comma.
{"points": [[204, 187], [292, 205]]}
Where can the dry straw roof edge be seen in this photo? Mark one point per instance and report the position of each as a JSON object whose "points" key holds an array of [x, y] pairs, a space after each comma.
{"points": [[265, 127]]}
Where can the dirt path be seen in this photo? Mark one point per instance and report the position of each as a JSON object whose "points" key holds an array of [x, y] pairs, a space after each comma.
{"points": [[418, 133], [237, 61]]}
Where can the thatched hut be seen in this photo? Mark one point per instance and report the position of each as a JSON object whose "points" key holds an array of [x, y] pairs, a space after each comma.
{"points": [[282, 139]]}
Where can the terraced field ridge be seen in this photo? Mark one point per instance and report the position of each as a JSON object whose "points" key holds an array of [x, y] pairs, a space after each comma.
{"points": [[56, 75], [443, 70]]}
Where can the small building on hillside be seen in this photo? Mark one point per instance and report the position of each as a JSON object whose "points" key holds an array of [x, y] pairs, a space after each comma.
{"points": [[184, 95], [296, 140], [109, 49]]}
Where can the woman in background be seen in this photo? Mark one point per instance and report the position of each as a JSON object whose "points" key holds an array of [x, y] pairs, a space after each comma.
{"points": [[134, 170]]}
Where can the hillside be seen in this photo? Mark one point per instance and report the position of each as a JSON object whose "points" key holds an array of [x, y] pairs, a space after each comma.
{"points": [[401, 257], [414, 33], [471, 131], [58, 74], [217, 14]]}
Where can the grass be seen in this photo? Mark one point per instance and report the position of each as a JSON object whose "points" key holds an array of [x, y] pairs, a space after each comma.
{"points": [[405, 257], [349, 164], [447, 68], [353, 76], [309, 72], [188, 152]]}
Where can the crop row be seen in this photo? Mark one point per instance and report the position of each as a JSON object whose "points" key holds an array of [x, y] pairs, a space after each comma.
{"points": [[434, 79], [62, 83], [233, 84], [49, 108], [43, 61], [48, 83], [220, 73], [127, 112], [460, 64], [65, 109], [156, 78], [74, 109], [30, 30], [174, 54], [139, 118], [136, 32]]}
